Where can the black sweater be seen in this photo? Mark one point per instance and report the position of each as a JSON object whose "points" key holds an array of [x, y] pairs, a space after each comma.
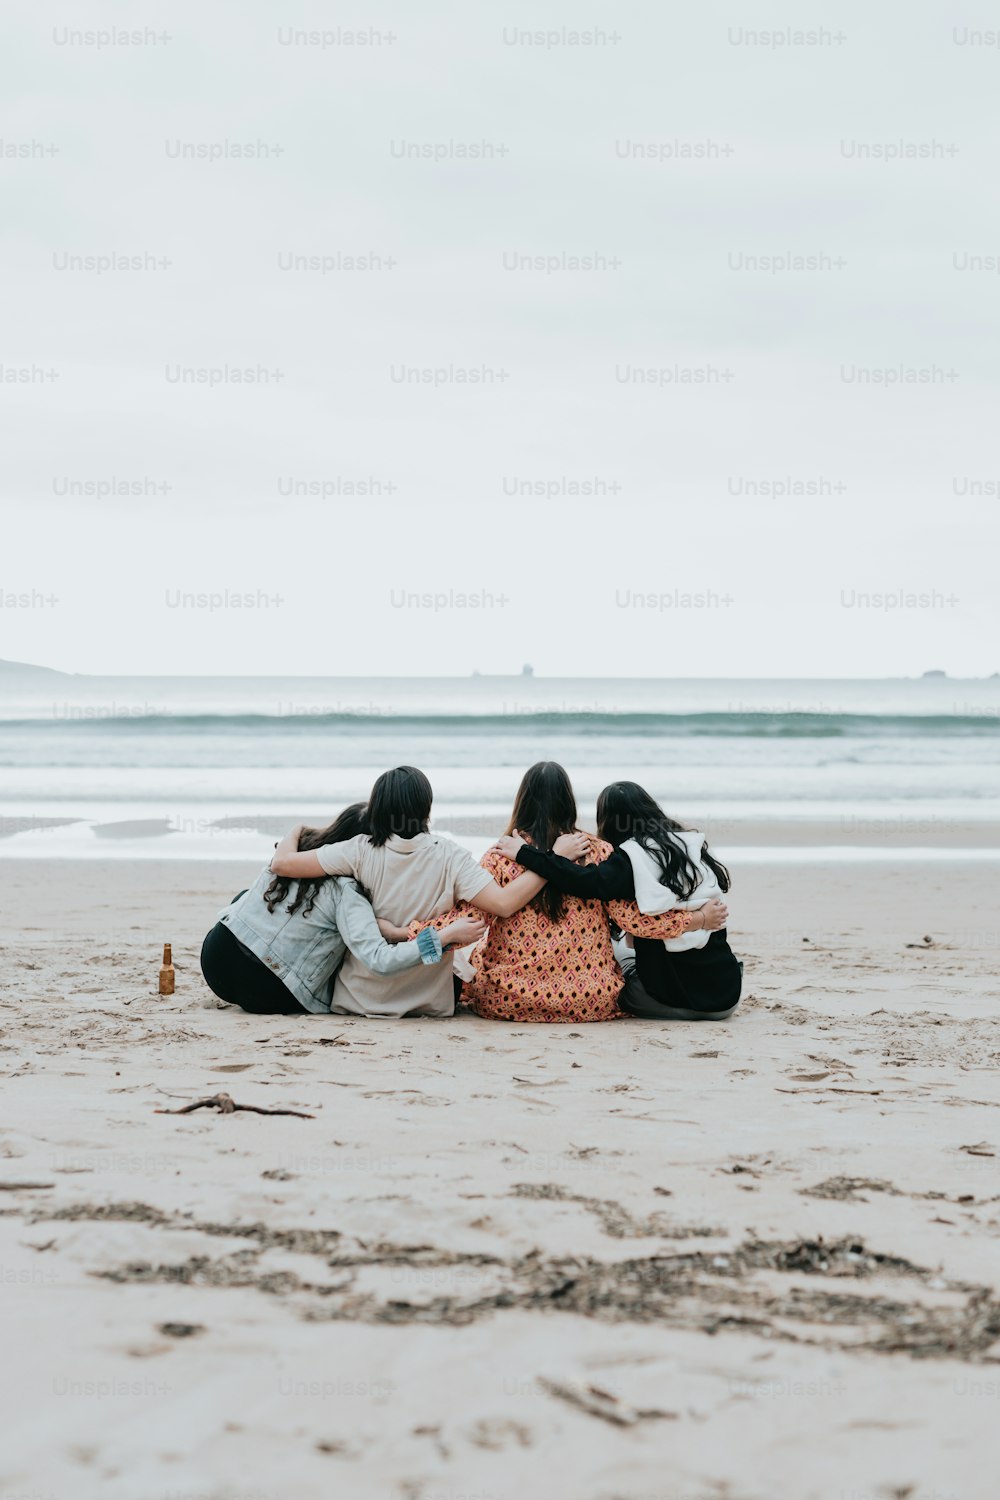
{"points": [[612, 880], [705, 978]]}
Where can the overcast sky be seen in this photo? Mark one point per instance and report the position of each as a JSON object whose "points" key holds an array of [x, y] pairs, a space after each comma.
{"points": [[762, 376]]}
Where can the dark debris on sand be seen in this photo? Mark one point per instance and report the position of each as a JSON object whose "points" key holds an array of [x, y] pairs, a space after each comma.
{"points": [[820, 1297]]}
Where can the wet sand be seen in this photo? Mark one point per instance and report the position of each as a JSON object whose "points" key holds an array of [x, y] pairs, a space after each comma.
{"points": [[845, 831]]}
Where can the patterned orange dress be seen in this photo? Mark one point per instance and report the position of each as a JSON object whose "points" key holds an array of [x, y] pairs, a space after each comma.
{"points": [[529, 968]]}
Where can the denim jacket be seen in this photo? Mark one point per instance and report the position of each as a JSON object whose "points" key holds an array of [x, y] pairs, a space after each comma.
{"points": [[305, 950]]}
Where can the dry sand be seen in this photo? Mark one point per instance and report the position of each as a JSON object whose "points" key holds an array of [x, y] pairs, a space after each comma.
{"points": [[619, 1262]]}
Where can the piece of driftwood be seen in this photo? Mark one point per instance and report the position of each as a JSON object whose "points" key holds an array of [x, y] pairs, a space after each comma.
{"points": [[604, 1404], [226, 1105], [981, 1148]]}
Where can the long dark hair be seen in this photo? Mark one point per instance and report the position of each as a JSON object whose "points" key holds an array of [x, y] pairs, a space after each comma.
{"points": [[543, 809], [625, 810], [400, 803], [346, 825]]}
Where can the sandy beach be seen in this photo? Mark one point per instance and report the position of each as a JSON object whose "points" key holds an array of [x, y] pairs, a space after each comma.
{"points": [[472, 417], [659, 1262]]}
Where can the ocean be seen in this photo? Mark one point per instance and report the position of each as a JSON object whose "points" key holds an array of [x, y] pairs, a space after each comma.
{"points": [[217, 767]]}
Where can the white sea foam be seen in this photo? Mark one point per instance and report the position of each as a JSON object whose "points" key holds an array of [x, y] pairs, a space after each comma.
{"points": [[877, 763]]}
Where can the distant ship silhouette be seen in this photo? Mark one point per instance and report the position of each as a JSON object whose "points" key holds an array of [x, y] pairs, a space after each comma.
{"points": [[526, 671]]}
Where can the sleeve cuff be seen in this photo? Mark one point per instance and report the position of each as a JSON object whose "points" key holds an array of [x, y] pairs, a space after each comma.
{"points": [[429, 946]]}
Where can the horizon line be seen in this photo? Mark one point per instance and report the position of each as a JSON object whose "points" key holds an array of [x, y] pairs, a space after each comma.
{"points": [[474, 675]]}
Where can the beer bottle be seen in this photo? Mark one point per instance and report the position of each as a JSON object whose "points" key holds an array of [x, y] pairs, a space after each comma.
{"points": [[167, 972]]}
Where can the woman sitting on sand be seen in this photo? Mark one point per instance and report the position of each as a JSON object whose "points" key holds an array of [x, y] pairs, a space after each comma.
{"points": [[408, 872], [276, 959], [553, 960], [691, 976]]}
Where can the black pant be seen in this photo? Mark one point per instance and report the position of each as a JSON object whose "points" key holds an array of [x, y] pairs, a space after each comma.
{"points": [[636, 1001], [236, 975], [694, 985]]}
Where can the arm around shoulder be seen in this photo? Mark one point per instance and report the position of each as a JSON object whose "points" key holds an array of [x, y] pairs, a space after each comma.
{"points": [[505, 900], [311, 864], [360, 932]]}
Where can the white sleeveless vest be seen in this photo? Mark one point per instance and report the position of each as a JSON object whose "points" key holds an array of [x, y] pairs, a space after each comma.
{"points": [[653, 898]]}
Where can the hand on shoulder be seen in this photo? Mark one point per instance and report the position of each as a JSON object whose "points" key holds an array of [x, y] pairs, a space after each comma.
{"points": [[509, 845], [574, 846]]}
